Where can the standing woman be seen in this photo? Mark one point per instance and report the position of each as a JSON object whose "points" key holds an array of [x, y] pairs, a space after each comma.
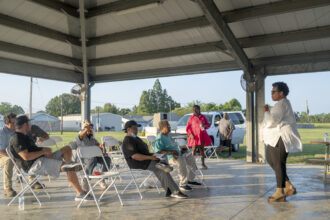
{"points": [[198, 137], [281, 136]]}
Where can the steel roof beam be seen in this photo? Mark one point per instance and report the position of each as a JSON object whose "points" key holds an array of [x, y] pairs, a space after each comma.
{"points": [[274, 8], [156, 54], [40, 54], [37, 29], [118, 6], [151, 30], [37, 70], [58, 6], [215, 18], [285, 37], [247, 42], [302, 58], [171, 71]]}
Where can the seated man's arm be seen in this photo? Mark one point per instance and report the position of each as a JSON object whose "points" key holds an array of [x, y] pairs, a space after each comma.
{"points": [[142, 157], [160, 148], [174, 152], [33, 155]]}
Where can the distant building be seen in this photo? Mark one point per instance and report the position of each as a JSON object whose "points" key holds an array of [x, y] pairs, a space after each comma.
{"points": [[144, 121], [46, 122], [105, 122], [171, 117], [1, 121]]}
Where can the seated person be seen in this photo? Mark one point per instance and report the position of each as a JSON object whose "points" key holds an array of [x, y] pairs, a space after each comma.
{"points": [[41, 160], [187, 165], [137, 155], [6, 132], [37, 135], [86, 138]]}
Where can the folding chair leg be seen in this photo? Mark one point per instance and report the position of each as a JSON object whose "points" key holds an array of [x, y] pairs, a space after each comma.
{"points": [[114, 186], [137, 187]]}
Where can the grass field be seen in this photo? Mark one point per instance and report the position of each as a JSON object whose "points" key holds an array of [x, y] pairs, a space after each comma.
{"points": [[307, 134]]}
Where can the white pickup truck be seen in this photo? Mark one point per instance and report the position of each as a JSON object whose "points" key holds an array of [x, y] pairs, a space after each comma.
{"points": [[213, 118]]}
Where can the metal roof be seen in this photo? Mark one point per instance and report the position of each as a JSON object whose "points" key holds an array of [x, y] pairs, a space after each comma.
{"points": [[130, 39]]}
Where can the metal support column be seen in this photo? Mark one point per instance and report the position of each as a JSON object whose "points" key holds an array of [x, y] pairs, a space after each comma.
{"points": [[250, 127], [260, 102], [86, 103]]}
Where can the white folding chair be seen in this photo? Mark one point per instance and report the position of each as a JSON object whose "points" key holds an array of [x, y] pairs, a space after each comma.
{"points": [[131, 172], [51, 141], [90, 152], [210, 151], [115, 155], [23, 180]]}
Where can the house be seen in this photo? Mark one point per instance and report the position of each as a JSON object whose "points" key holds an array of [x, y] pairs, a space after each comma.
{"points": [[1, 121], [103, 121], [107, 121], [144, 121], [46, 122]]}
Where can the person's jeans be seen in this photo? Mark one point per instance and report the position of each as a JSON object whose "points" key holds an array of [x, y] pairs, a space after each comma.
{"points": [[186, 168], [90, 164], [164, 178]]}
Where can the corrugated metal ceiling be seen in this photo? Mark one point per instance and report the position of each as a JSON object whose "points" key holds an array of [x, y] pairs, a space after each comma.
{"points": [[25, 23]]}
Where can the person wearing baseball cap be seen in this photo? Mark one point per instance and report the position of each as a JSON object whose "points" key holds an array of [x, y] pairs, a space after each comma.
{"points": [[40, 160], [137, 155]]}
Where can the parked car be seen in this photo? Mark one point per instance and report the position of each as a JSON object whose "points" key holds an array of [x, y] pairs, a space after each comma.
{"points": [[214, 118]]}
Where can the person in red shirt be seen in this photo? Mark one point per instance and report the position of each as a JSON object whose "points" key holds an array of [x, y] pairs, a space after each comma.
{"points": [[196, 129]]}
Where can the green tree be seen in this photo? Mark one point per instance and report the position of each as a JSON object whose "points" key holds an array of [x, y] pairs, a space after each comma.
{"points": [[71, 105], [111, 108], [124, 111], [6, 107], [156, 100], [232, 105]]}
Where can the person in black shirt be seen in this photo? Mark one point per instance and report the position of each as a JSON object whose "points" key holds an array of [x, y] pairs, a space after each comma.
{"points": [[40, 160], [137, 155]]}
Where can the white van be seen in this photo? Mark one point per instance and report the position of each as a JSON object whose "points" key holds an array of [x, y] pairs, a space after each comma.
{"points": [[213, 118]]}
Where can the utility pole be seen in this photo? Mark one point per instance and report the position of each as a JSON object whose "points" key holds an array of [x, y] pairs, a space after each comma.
{"points": [[98, 120], [61, 128], [30, 99]]}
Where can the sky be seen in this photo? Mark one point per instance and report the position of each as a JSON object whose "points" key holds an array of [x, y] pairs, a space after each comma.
{"points": [[212, 87]]}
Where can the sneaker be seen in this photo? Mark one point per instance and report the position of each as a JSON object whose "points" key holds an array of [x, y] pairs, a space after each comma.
{"points": [[85, 185], [166, 168], [103, 185], [185, 188], [10, 192], [80, 196], [168, 193], [179, 195], [194, 183], [219, 155], [229, 156], [66, 167], [204, 167], [38, 185]]}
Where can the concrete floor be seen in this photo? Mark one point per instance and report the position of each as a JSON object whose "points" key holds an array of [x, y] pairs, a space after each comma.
{"points": [[237, 190]]}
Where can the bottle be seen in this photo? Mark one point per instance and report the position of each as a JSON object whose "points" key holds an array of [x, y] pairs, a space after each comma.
{"points": [[21, 203], [325, 137], [143, 132]]}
